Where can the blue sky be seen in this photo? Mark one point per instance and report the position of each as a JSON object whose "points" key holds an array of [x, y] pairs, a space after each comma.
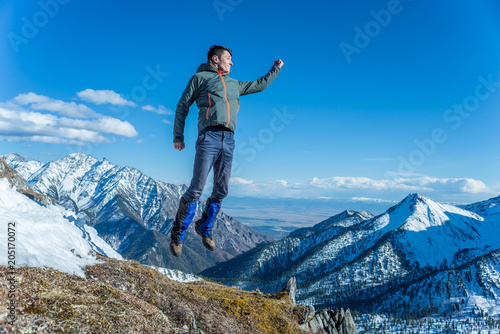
{"points": [[377, 99]]}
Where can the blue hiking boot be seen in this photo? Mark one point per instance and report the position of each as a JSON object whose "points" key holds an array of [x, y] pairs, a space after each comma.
{"points": [[205, 223], [184, 216]]}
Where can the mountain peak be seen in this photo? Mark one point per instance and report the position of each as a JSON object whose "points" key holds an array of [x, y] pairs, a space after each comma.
{"points": [[78, 155], [15, 156], [349, 212], [344, 219], [364, 215], [411, 203], [425, 213], [415, 197], [419, 213], [76, 159]]}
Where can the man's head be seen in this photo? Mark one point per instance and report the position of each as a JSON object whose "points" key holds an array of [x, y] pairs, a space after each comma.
{"points": [[221, 57]]}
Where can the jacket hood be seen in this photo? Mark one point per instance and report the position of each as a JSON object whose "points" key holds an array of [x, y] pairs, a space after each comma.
{"points": [[208, 66]]}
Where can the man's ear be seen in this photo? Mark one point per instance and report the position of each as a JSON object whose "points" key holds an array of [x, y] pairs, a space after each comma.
{"points": [[215, 59]]}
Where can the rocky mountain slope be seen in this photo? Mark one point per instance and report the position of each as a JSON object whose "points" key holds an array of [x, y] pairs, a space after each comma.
{"points": [[19, 182], [131, 211], [419, 257], [126, 297], [56, 280]]}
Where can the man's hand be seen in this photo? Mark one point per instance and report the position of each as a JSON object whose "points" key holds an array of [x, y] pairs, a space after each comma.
{"points": [[278, 63], [179, 145]]}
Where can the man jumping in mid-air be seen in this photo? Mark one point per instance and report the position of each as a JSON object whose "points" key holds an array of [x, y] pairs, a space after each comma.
{"points": [[217, 98]]}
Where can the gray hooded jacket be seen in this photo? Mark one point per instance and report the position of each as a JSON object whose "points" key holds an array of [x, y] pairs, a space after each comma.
{"points": [[217, 98]]}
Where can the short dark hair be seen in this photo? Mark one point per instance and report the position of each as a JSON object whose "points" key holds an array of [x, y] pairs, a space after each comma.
{"points": [[217, 50]]}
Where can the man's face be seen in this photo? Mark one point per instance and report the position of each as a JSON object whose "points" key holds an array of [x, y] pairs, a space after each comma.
{"points": [[223, 63]]}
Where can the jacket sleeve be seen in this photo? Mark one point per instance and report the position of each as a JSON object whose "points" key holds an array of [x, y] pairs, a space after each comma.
{"points": [[189, 95], [250, 87]]}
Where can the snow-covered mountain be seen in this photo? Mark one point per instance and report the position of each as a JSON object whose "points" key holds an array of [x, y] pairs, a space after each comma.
{"points": [[277, 217], [489, 207], [131, 211], [418, 257], [20, 184], [24, 166], [345, 219], [46, 236]]}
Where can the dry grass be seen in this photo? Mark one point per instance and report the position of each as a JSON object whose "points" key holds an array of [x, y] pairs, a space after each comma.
{"points": [[126, 297]]}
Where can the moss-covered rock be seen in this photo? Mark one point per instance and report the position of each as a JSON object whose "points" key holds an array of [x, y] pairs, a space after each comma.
{"points": [[125, 297]]}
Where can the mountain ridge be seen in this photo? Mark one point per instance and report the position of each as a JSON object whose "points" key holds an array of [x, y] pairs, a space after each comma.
{"points": [[133, 212], [72, 279], [414, 239], [332, 221]]}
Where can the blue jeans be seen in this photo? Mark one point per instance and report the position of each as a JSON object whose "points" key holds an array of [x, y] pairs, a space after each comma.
{"points": [[214, 149]]}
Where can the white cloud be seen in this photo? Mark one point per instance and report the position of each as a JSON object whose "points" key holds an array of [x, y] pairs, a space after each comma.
{"points": [[359, 188], [161, 110], [418, 184], [42, 102], [344, 183], [82, 125], [464, 185], [70, 109], [30, 98], [103, 97], [237, 180], [473, 186], [282, 183], [38, 126], [166, 121], [104, 124], [375, 200]]}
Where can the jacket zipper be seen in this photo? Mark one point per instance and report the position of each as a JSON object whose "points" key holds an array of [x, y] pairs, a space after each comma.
{"points": [[209, 104], [225, 96]]}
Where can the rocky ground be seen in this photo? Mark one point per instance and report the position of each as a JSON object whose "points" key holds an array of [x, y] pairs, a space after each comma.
{"points": [[127, 297]]}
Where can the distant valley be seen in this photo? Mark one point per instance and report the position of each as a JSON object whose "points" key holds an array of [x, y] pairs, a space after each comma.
{"points": [[277, 217]]}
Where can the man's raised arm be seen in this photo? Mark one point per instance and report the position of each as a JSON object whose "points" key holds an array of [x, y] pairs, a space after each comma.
{"points": [[250, 87]]}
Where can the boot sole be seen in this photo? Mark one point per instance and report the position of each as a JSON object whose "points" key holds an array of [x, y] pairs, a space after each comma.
{"points": [[203, 242], [174, 253]]}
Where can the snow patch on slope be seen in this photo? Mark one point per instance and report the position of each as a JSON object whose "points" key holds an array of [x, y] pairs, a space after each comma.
{"points": [[44, 237], [177, 275]]}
